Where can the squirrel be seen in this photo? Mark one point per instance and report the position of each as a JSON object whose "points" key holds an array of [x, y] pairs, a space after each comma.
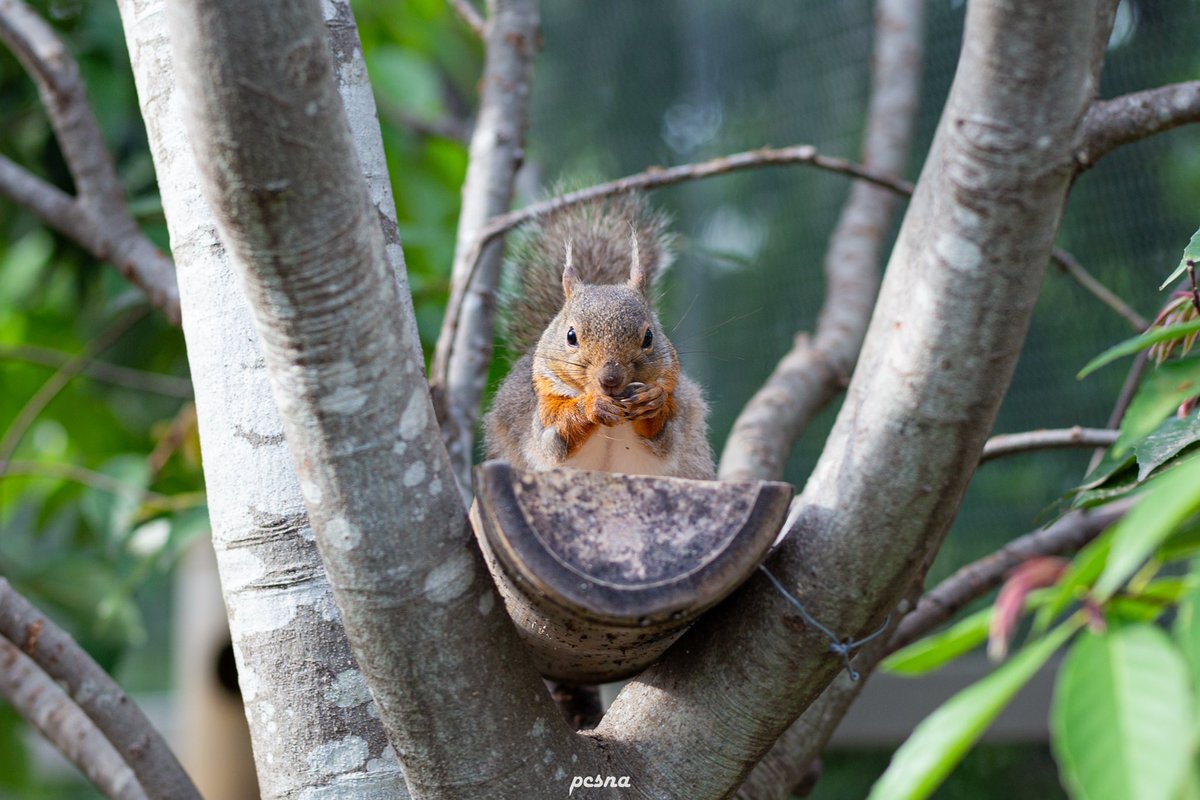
{"points": [[599, 386]]}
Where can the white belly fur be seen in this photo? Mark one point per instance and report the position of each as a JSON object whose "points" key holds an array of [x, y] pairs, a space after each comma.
{"points": [[618, 449]]}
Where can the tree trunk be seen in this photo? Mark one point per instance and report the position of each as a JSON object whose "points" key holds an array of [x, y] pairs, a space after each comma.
{"points": [[312, 722]]}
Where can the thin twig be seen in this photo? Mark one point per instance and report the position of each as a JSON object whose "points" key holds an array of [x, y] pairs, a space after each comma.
{"points": [[99, 218], [83, 475], [652, 178], [97, 695], [50, 389], [1132, 380], [448, 128], [141, 380], [1071, 266], [467, 13], [976, 579], [36, 697], [1013, 443]]}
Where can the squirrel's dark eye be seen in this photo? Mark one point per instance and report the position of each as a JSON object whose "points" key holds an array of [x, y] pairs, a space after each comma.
{"points": [[572, 339], [649, 338]]}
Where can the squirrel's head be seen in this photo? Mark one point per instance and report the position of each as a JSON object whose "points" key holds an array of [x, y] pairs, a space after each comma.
{"points": [[609, 333]]}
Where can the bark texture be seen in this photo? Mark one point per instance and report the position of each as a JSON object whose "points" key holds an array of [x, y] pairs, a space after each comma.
{"points": [[291, 650], [939, 353], [347, 375]]}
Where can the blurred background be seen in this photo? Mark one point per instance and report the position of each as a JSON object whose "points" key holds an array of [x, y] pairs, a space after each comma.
{"points": [[102, 517]]}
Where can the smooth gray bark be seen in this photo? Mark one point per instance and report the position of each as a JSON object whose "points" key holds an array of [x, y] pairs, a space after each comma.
{"points": [[454, 688], [291, 650]]}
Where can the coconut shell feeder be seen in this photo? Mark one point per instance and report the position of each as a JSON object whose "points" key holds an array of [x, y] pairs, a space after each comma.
{"points": [[601, 571]]}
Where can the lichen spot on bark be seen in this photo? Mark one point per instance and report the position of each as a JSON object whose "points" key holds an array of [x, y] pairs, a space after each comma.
{"points": [[412, 421], [415, 474], [240, 568], [345, 400], [349, 689], [339, 756], [959, 253], [447, 581], [387, 761], [487, 601], [311, 491], [342, 533]]}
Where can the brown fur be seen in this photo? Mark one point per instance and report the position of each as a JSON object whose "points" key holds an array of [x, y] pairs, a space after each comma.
{"points": [[585, 362]]}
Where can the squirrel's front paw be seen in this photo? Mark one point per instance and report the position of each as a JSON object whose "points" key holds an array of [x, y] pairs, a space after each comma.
{"points": [[606, 410], [641, 400]]}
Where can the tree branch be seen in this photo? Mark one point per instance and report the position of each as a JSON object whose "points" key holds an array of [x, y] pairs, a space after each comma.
{"points": [[1131, 117], [969, 259], [99, 219], [37, 698], [652, 178], [310, 253], [790, 758], [809, 375], [1008, 444], [969, 583], [816, 368], [115, 374], [50, 389], [473, 19], [97, 695], [1071, 266], [459, 369], [83, 475]]}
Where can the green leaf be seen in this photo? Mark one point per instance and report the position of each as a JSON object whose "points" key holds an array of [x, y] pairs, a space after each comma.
{"points": [[1187, 630], [1159, 395], [943, 738], [1113, 488], [1192, 252], [1121, 722], [1169, 500], [1137, 343], [23, 265], [1110, 465], [405, 79], [926, 655], [1169, 439], [1182, 545]]}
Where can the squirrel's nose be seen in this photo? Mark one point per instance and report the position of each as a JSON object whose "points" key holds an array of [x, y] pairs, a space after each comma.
{"points": [[612, 378]]}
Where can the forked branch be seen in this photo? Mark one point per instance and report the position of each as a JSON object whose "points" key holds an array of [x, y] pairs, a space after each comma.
{"points": [[96, 695], [98, 218], [36, 697]]}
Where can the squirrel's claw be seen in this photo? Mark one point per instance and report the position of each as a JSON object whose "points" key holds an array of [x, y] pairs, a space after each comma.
{"points": [[606, 410], [647, 402]]}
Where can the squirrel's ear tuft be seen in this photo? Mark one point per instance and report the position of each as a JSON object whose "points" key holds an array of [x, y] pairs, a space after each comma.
{"points": [[638, 277], [570, 278]]}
